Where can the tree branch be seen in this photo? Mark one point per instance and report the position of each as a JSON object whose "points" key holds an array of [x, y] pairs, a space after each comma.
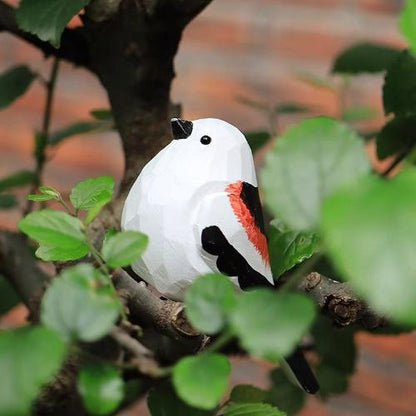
{"points": [[166, 331], [73, 45], [19, 267], [143, 357], [338, 302], [165, 316]]}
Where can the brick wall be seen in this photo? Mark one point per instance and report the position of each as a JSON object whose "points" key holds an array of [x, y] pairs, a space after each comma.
{"points": [[250, 48]]}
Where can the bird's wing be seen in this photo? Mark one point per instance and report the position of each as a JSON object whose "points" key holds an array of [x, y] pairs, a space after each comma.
{"points": [[230, 227]]}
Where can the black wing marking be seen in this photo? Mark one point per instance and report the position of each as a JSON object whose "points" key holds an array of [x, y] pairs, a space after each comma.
{"points": [[230, 261], [250, 196]]}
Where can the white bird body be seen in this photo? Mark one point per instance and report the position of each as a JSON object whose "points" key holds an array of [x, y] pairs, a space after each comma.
{"points": [[197, 201], [181, 191]]}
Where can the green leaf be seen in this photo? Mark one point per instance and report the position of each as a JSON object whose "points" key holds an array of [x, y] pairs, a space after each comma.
{"points": [[315, 81], [407, 23], [47, 18], [79, 306], [39, 197], [398, 135], [14, 83], [337, 353], [291, 108], [21, 178], [288, 248], [201, 380], [89, 193], [334, 345], [8, 296], [358, 113], [101, 388], [331, 380], [7, 201], [111, 232], [284, 394], [256, 139], [54, 252], [162, 401], [80, 127], [93, 212], [246, 393], [306, 164], [123, 248], [133, 390], [369, 229], [49, 190], [208, 301], [29, 358], [47, 193], [252, 409], [103, 114], [399, 89], [269, 324], [364, 57], [59, 234]]}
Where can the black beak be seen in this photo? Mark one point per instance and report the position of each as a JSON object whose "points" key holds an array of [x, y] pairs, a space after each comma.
{"points": [[181, 129]]}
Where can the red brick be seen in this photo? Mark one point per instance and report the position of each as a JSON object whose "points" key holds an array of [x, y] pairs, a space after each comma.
{"points": [[380, 6], [309, 3], [314, 407], [224, 34], [395, 393], [308, 45], [16, 316], [401, 346]]}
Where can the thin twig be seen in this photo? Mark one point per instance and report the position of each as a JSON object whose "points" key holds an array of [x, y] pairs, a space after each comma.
{"points": [[131, 344], [43, 137], [101, 263], [73, 41], [399, 158], [220, 342], [96, 254], [273, 122], [67, 208], [143, 357]]}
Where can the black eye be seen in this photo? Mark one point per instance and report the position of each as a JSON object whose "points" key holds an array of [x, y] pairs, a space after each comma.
{"points": [[205, 140]]}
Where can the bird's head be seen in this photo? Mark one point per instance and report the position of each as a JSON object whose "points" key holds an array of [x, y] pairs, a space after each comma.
{"points": [[211, 148]]}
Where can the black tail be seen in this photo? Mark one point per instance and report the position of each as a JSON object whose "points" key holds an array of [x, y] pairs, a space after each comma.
{"points": [[232, 263], [302, 372]]}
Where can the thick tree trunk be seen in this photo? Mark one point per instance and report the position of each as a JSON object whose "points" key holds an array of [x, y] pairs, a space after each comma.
{"points": [[132, 54]]}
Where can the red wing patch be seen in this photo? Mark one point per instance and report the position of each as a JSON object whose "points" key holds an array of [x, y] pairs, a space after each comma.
{"points": [[247, 218]]}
